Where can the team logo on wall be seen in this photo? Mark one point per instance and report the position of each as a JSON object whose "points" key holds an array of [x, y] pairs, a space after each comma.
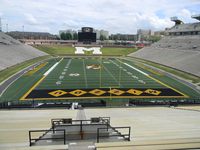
{"points": [[94, 66]]}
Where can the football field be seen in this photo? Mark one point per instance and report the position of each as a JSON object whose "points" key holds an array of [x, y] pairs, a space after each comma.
{"points": [[98, 77]]}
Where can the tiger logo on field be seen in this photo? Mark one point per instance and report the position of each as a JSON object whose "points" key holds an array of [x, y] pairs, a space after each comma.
{"points": [[94, 66]]}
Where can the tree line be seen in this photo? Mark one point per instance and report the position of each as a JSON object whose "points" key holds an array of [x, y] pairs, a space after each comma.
{"points": [[74, 36], [68, 36]]}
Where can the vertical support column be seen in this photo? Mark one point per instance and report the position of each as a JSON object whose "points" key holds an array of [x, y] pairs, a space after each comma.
{"points": [[107, 123], [30, 143], [97, 135], [64, 137], [81, 130], [129, 134]]}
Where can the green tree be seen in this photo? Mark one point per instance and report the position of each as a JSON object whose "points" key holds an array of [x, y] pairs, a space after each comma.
{"points": [[68, 36], [75, 36], [102, 37], [63, 36]]}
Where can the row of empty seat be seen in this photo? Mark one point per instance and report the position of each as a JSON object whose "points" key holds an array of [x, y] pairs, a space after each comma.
{"points": [[186, 27], [188, 42], [7, 40], [13, 52], [180, 52]]}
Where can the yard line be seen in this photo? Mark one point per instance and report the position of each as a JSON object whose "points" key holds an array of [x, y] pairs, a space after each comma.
{"points": [[136, 69], [53, 67], [86, 83], [129, 73], [68, 63], [111, 74], [133, 68]]}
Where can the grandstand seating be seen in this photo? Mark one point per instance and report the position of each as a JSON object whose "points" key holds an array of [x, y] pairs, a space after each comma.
{"points": [[185, 28], [180, 49], [189, 42], [13, 52], [7, 40], [180, 52]]}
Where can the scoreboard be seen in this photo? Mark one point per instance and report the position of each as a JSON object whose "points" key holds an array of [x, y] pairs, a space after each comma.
{"points": [[87, 35]]}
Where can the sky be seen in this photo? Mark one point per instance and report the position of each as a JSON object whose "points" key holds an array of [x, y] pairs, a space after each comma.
{"points": [[115, 16]]}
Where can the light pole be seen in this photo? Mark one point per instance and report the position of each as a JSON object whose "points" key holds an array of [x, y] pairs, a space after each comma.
{"points": [[23, 31], [0, 26], [7, 28]]}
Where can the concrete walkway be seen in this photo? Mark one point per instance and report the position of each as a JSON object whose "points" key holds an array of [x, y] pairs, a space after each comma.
{"points": [[81, 115], [81, 146]]}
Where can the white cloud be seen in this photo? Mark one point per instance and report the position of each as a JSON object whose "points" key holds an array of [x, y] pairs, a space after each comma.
{"points": [[117, 16], [30, 19]]}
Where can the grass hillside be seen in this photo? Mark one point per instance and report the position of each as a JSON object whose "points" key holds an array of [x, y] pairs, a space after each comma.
{"points": [[56, 49], [118, 51], [66, 50]]}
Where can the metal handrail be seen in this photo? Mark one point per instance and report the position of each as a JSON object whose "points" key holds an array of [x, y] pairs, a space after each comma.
{"points": [[114, 128], [59, 122], [46, 131]]}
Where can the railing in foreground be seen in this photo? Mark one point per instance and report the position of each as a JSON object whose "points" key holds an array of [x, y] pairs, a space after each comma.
{"points": [[125, 136], [34, 140]]}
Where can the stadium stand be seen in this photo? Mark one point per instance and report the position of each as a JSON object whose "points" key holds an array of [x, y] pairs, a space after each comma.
{"points": [[180, 50], [14, 52], [32, 35]]}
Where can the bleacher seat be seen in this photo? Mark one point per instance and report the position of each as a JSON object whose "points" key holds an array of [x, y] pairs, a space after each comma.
{"points": [[180, 52], [13, 52]]}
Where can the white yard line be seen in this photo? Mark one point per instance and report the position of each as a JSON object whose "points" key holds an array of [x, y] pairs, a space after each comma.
{"points": [[53, 67], [136, 69], [68, 63], [111, 75], [86, 83]]}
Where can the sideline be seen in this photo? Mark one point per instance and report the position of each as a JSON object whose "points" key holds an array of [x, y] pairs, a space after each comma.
{"points": [[4, 85], [39, 81]]}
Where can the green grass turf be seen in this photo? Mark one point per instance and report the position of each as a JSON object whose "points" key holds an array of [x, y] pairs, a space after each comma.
{"points": [[4, 74], [117, 51], [66, 50], [24, 83], [56, 49], [110, 75], [185, 75], [173, 83]]}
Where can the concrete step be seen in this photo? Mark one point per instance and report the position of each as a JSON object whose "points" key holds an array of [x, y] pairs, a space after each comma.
{"points": [[81, 146]]}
